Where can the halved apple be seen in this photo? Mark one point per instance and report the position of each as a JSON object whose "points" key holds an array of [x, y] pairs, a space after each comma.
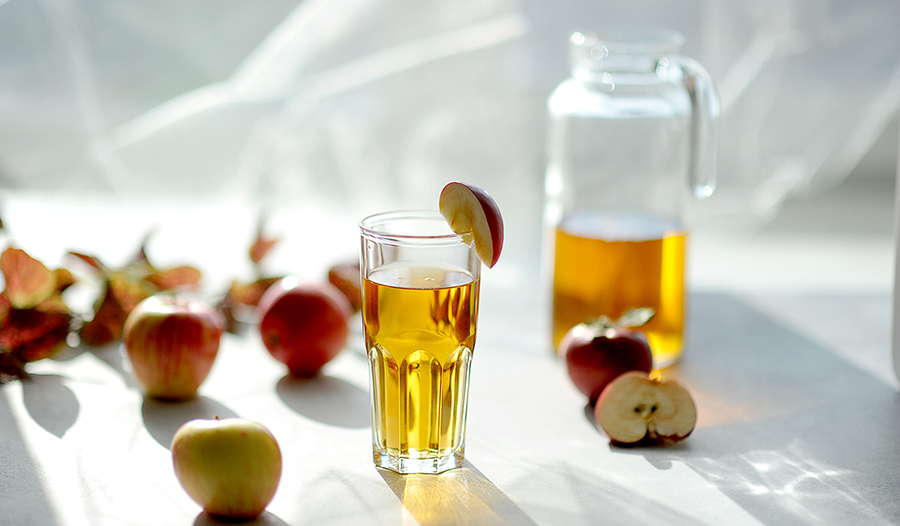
{"points": [[470, 211], [637, 409]]}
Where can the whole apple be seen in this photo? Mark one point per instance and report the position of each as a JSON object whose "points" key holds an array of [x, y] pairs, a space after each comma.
{"points": [[304, 325], [230, 467], [596, 355], [172, 342]]}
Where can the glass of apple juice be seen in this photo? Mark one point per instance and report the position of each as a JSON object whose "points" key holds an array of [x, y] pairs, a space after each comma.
{"points": [[420, 284]]}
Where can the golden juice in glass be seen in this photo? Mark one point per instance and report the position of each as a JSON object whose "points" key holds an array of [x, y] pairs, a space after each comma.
{"points": [[420, 332], [609, 264]]}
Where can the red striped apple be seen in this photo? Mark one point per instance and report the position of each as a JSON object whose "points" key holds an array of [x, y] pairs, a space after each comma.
{"points": [[172, 342], [470, 211], [304, 325], [635, 409], [230, 467]]}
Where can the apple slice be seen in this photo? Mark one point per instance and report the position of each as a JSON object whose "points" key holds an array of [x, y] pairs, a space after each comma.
{"points": [[636, 409], [470, 211]]}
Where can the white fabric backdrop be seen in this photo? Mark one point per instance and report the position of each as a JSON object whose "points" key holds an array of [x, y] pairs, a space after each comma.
{"points": [[366, 101]]}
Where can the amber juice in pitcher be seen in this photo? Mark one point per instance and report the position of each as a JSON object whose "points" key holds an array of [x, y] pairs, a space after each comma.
{"points": [[420, 331], [609, 264]]}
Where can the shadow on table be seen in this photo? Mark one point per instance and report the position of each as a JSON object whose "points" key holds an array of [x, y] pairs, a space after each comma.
{"points": [[162, 419], [23, 499], [789, 431], [51, 404], [265, 519], [459, 496], [113, 355], [326, 399]]}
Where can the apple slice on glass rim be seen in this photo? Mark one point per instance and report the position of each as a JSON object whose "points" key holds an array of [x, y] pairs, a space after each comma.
{"points": [[472, 213]]}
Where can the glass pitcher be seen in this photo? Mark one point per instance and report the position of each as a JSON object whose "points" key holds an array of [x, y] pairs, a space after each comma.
{"points": [[632, 136]]}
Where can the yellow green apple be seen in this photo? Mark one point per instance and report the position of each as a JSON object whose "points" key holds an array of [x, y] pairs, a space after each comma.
{"points": [[230, 467]]}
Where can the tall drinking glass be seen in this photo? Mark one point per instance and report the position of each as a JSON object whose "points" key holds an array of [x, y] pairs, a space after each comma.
{"points": [[420, 309]]}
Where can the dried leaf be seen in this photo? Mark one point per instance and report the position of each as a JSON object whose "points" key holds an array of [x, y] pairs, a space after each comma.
{"points": [[64, 279], [141, 255], [129, 290], [49, 344], [173, 278], [5, 307], [138, 268], [227, 308], [34, 320], [28, 281], [53, 305], [92, 261], [10, 367], [240, 297], [262, 245], [345, 276], [31, 335], [107, 323], [250, 293]]}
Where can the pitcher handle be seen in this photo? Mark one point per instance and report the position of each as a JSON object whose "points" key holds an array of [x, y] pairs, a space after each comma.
{"points": [[705, 110]]}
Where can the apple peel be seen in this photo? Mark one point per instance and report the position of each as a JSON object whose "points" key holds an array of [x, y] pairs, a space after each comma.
{"points": [[471, 211], [635, 410]]}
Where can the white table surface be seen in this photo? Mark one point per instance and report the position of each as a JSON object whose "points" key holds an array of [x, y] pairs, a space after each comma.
{"points": [[798, 405]]}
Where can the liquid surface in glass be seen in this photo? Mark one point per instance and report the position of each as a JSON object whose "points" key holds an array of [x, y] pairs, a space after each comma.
{"points": [[420, 332], [609, 264]]}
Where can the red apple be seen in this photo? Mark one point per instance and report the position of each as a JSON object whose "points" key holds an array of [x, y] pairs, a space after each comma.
{"points": [[345, 276], [596, 354], [304, 325], [172, 342], [470, 211], [230, 467], [635, 409]]}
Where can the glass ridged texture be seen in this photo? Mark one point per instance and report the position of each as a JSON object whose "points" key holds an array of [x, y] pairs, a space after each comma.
{"points": [[420, 331], [420, 311]]}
